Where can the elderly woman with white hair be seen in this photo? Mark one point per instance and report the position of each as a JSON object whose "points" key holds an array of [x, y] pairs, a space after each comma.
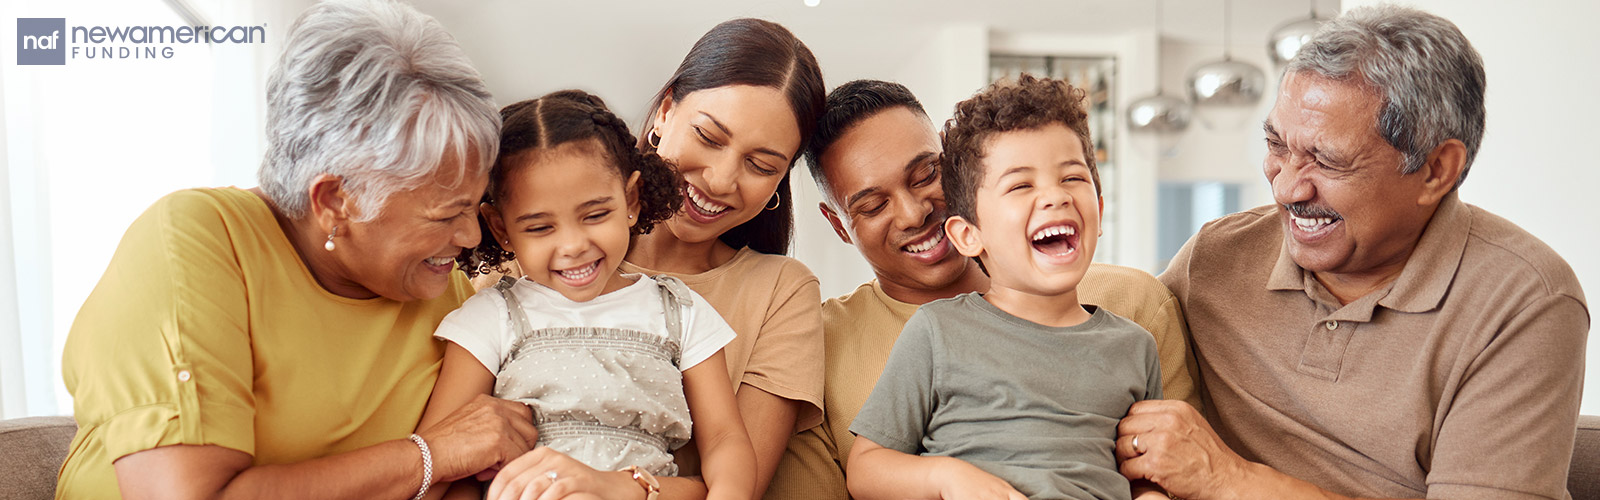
{"points": [[277, 342]]}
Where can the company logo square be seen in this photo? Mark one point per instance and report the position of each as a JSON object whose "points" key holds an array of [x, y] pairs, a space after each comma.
{"points": [[41, 41]]}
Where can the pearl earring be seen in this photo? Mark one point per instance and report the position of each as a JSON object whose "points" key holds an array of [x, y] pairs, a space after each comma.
{"points": [[329, 245]]}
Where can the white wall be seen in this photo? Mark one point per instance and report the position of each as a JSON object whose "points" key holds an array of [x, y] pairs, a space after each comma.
{"points": [[91, 144], [1536, 166]]}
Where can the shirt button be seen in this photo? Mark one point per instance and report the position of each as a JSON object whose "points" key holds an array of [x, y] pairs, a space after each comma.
{"points": [[1332, 325], [183, 375]]}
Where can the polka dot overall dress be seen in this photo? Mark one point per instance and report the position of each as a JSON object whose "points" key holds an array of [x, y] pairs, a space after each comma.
{"points": [[607, 397]]}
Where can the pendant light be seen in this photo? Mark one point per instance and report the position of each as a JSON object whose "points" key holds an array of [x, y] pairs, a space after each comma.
{"points": [[1286, 39], [1226, 82], [1159, 113]]}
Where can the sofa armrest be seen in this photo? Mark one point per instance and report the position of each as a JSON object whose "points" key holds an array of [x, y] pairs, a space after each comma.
{"points": [[1583, 479], [32, 456]]}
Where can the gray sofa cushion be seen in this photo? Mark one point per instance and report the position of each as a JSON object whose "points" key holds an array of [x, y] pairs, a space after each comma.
{"points": [[1583, 479], [32, 455]]}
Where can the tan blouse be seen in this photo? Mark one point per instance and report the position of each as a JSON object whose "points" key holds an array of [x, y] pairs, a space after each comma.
{"points": [[774, 304]]}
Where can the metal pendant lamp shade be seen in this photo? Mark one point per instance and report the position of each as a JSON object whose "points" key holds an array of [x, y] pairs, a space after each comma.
{"points": [[1226, 82], [1158, 113], [1286, 39]]}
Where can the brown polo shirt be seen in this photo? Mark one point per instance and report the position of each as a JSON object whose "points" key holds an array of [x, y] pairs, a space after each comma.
{"points": [[1459, 380]]}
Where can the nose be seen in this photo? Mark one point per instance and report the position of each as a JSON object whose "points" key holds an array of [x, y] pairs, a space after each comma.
{"points": [[1055, 196], [1289, 183], [466, 233], [911, 211], [572, 243], [722, 177]]}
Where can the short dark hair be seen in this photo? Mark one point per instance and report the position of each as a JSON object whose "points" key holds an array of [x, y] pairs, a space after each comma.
{"points": [[563, 117], [848, 105], [761, 53], [1026, 104]]}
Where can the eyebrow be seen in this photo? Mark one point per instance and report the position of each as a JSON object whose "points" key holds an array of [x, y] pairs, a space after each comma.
{"points": [[725, 131], [585, 206], [1266, 126], [1014, 170]]}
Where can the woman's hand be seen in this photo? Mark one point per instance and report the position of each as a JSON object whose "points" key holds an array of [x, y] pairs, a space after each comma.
{"points": [[481, 436], [546, 474], [965, 481]]}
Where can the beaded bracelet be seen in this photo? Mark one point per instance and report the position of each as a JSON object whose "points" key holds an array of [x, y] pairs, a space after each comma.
{"points": [[427, 466]]}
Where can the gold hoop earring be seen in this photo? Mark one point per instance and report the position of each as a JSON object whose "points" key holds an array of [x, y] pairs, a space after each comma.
{"points": [[776, 200], [653, 139], [329, 245]]}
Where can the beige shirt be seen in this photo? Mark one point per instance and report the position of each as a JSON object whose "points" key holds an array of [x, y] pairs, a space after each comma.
{"points": [[1459, 380], [773, 304], [861, 329]]}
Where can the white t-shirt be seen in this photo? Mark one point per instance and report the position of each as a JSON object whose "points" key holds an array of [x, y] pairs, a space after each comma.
{"points": [[482, 326]]}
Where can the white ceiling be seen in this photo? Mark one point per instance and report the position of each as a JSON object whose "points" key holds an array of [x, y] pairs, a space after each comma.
{"points": [[1187, 21]]}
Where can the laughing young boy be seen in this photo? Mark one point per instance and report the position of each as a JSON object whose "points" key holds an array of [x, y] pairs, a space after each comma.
{"points": [[1015, 393]]}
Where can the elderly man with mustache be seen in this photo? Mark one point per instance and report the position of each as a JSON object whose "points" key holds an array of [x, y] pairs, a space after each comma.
{"points": [[1371, 335]]}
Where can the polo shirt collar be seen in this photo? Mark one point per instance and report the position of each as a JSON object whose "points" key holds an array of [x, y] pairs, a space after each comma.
{"points": [[1428, 272], [1426, 278]]}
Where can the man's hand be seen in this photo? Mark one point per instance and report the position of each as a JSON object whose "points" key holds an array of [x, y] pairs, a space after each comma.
{"points": [[1170, 444]]}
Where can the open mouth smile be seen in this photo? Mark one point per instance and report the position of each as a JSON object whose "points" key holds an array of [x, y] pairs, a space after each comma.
{"points": [[1056, 240], [580, 276], [930, 248], [701, 207]]}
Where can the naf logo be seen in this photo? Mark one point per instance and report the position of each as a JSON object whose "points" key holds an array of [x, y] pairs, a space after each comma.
{"points": [[41, 41]]}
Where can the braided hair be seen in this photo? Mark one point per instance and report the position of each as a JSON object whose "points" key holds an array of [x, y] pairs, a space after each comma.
{"points": [[559, 118]]}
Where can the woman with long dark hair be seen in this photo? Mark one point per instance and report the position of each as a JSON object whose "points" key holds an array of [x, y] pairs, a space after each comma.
{"points": [[734, 118]]}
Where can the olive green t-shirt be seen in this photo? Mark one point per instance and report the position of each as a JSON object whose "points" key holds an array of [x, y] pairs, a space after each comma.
{"points": [[1034, 405]]}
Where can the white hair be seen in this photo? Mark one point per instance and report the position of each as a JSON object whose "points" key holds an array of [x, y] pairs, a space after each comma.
{"points": [[376, 93], [1431, 79]]}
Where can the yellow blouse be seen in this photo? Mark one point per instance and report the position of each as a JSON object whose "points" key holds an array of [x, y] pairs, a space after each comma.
{"points": [[207, 329]]}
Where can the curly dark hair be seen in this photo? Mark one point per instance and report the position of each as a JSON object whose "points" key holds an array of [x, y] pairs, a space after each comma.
{"points": [[1026, 104], [559, 118]]}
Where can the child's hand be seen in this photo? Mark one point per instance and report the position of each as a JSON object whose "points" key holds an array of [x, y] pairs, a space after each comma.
{"points": [[546, 473], [963, 481]]}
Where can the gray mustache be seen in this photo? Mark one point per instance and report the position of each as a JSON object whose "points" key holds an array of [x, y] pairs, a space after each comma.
{"points": [[1306, 211]]}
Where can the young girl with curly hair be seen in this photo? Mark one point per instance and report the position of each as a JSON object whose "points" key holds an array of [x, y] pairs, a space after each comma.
{"points": [[613, 364]]}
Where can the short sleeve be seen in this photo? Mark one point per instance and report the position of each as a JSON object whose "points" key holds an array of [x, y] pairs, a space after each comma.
{"points": [[160, 353], [1509, 430], [1154, 388], [481, 326], [707, 332], [786, 359], [897, 413]]}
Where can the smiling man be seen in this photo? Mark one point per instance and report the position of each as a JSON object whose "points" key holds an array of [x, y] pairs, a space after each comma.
{"points": [[875, 155], [1370, 335]]}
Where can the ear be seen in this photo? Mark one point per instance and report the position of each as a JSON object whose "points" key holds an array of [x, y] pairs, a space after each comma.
{"points": [[964, 235], [631, 190], [1101, 215], [1441, 171], [660, 121], [833, 220], [497, 223], [331, 205]]}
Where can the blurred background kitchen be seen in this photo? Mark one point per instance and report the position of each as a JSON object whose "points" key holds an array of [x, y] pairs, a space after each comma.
{"points": [[89, 145]]}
